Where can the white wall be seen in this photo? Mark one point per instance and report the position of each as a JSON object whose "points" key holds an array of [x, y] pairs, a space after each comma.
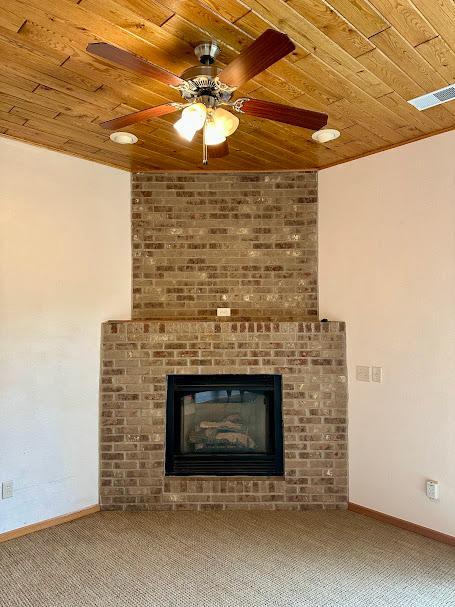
{"points": [[64, 268], [387, 267]]}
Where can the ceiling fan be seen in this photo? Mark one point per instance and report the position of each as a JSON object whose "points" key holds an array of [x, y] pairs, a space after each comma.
{"points": [[205, 88]]}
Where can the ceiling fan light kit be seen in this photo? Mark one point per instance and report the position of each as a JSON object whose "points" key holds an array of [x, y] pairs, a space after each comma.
{"points": [[206, 87]]}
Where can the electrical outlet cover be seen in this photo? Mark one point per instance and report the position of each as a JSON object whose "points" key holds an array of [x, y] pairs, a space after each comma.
{"points": [[223, 311], [7, 489]]}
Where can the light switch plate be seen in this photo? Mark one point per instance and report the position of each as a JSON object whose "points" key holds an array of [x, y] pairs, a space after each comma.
{"points": [[223, 311], [376, 374], [7, 489], [362, 373]]}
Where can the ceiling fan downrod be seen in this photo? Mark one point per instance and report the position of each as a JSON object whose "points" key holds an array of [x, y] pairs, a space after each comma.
{"points": [[207, 52]]}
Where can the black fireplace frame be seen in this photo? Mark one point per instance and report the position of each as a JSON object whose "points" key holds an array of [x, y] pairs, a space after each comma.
{"points": [[224, 464]]}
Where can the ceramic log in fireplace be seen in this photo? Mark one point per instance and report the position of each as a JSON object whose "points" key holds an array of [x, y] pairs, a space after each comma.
{"points": [[224, 425]]}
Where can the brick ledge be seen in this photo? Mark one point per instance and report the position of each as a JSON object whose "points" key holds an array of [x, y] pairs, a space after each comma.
{"points": [[308, 324]]}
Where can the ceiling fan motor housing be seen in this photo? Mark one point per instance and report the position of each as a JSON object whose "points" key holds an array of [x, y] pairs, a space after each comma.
{"points": [[201, 80]]}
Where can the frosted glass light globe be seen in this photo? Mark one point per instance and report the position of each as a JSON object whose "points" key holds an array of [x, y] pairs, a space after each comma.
{"points": [[185, 128], [212, 134], [226, 122], [195, 114]]}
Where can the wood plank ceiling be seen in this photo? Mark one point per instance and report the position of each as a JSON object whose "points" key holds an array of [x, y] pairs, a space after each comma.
{"points": [[357, 60]]}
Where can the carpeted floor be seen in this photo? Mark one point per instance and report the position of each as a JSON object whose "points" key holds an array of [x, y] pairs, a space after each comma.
{"points": [[226, 559]]}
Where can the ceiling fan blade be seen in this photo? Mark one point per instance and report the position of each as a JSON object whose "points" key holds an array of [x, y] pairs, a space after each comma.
{"points": [[219, 150], [282, 113], [264, 52], [133, 62], [151, 112]]}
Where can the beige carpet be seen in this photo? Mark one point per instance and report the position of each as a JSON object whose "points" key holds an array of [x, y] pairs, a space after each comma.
{"points": [[226, 559]]}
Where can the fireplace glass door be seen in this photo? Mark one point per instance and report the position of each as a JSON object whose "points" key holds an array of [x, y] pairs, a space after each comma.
{"points": [[230, 420], [224, 424]]}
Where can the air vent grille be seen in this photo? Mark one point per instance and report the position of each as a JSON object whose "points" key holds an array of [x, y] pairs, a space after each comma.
{"points": [[446, 94], [435, 98]]}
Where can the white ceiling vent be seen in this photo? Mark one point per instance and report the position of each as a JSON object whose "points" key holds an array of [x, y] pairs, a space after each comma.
{"points": [[435, 98]]}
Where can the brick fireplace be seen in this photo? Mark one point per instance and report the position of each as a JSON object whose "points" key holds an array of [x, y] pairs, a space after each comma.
{"points": [[248, 242]]}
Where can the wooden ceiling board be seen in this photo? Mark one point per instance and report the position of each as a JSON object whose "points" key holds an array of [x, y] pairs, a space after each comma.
{"points": [[359, 61]]}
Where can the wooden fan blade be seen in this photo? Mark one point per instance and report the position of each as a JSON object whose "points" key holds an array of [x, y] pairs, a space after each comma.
{"points": [[151, 112], [264, 52], [219, 150], [133, 62], [283, 113]]}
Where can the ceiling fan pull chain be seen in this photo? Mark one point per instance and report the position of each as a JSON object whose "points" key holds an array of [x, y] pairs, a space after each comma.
{"points": [[205, 159]]}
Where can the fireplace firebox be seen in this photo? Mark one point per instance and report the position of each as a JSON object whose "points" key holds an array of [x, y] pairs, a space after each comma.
{"points": [[224, 425]]}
